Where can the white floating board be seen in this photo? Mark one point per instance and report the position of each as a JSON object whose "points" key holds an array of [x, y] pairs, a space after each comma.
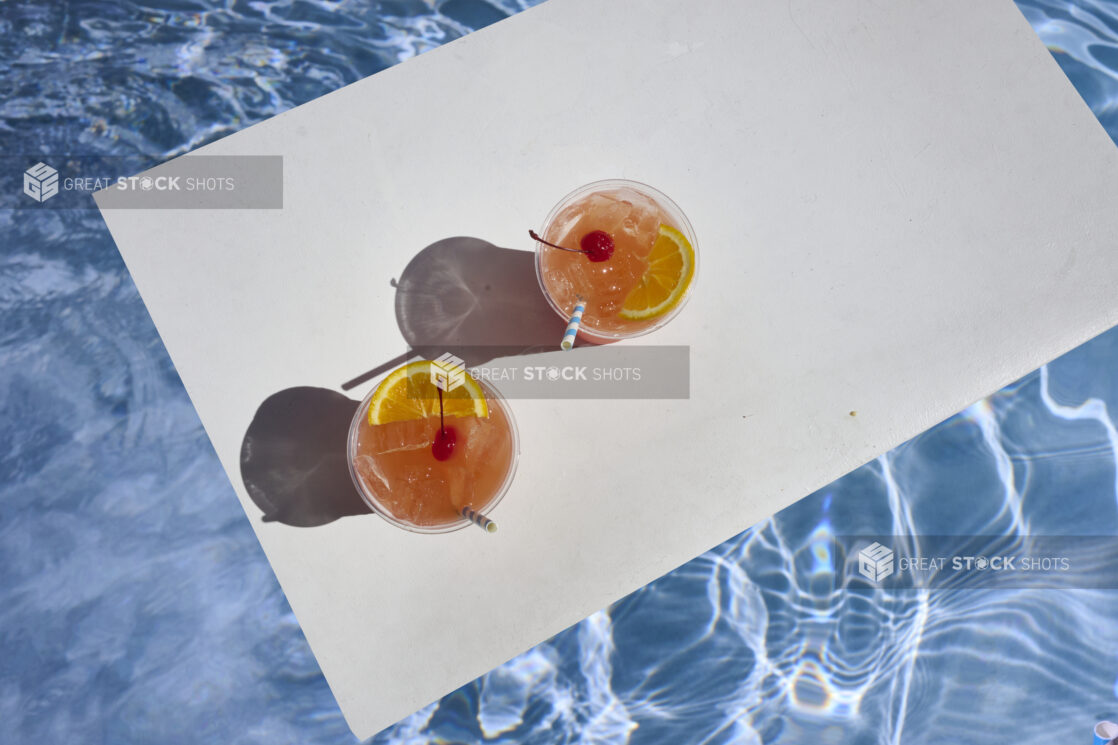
{"points": [[897, 213]]}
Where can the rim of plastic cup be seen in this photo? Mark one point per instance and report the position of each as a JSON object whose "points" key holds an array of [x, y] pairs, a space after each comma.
{"points": [[665, 202], [491, 395]]}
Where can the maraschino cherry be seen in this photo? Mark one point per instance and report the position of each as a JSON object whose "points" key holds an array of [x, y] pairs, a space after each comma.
{"points": [[597, 245], [443, 447]]}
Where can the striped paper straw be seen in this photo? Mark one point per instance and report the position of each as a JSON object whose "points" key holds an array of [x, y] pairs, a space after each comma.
{"points": [[480, 520], [572, 326], [1105, 733]]}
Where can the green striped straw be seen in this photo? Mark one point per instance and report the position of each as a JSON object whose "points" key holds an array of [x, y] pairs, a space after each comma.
{"points": [[480, 520]]}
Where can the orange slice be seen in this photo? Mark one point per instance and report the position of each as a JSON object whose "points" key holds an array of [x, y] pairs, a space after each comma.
{"points": [[410, 393], [671, 266]]}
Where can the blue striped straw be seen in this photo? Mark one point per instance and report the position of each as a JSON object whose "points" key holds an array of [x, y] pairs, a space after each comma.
{"points": [[1106, 732], [572, 326], [480, 520]]}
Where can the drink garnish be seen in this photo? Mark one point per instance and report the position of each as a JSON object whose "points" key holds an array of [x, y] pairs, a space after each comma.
{"points": [[671, 266], [408, 393], [597, 245], [443, 446]]}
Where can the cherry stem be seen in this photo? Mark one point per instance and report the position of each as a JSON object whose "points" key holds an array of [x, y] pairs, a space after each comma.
{"points": [[442, 423], [548, 243]]}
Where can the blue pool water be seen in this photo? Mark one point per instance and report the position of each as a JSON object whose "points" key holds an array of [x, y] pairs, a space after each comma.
{"points": [[137, 607]]}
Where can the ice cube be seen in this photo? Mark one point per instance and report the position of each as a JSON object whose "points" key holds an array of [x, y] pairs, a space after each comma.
{"points": [[370, 474]]}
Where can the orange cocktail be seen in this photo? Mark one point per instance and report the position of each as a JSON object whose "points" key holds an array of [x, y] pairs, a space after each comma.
{"points": [[624, 249], [422, 472]]}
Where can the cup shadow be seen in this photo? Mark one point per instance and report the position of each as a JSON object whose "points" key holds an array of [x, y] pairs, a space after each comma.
{"points": [[293, 458], [460, 295], [473, 299], [476, 300]]}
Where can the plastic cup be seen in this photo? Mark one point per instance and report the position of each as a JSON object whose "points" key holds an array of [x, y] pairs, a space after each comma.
{"points": [[556, 275], [380, 496]]}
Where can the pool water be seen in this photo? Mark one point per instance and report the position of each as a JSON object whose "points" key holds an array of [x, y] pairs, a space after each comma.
{"points": [[137, 607]]}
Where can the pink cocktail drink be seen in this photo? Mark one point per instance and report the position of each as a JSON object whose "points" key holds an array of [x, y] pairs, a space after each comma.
{"points": [[420, 471], [644, 281]]}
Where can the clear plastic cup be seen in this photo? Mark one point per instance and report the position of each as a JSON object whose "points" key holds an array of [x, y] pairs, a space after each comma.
{"points": [[563, 275], [394, 487]]}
